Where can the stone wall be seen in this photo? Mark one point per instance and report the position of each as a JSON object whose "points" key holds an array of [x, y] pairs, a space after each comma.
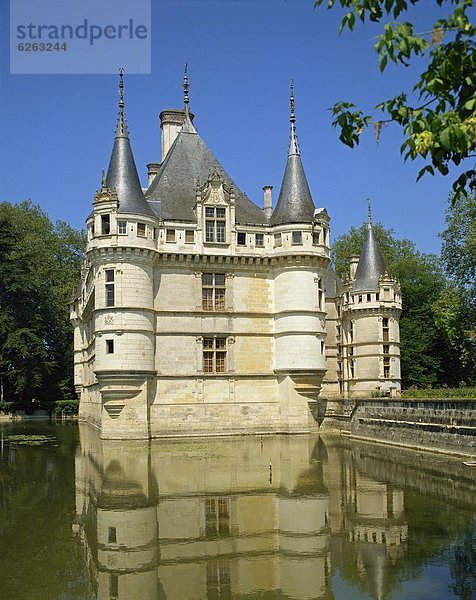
{"points": [[433, 424]]}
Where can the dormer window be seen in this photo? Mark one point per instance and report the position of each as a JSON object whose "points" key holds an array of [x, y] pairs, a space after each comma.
{"points": [[241, 238], [316, 237], [105, 224], [215, 224]]}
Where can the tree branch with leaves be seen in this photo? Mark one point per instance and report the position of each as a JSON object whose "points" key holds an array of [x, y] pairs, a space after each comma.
{"points": [[438, 120]]}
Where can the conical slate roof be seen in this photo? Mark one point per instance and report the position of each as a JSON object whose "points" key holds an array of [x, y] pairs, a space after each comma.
{"points": [[122, 172], [172, 193], [371, 264], [295, 203]]}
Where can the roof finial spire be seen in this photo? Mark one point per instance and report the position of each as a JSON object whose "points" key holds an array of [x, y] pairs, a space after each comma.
{"points": [[369, 213], [293, 146], [185, 85], [121, 129]]}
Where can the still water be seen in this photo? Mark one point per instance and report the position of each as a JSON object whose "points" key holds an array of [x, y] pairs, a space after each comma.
{"points": [[84, 519]]}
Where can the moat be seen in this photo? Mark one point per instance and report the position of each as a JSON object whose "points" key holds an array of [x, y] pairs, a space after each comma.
{"points": [[278, 517]]}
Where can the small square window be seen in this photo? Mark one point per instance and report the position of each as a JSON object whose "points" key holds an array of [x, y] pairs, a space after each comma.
{"points": [[220, 213], [259, 240], [189, 236], [109, 346], [121, 227], [297, 237], [141, 229], [241, 238], [170, 235]]}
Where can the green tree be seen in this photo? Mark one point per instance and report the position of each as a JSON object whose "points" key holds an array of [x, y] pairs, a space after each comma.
{"points": [[39, 266], [427, 357], [456, 308], [438, 116]]}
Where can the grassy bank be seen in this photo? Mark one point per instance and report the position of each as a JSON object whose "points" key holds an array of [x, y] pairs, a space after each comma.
{"points": [[460, 392]]}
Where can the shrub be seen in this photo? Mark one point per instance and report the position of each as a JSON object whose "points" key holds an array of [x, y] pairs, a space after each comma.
{"points": [[65, 408]]}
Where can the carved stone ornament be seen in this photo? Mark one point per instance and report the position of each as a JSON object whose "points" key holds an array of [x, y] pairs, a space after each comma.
{"points": [[108, 320]]}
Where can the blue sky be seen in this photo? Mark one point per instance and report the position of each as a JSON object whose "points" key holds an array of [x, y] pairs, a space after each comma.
{"points": [[56, 131]]}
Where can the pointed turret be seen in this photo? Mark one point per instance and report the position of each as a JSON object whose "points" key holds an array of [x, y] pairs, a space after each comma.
{"points": [[295, 203], [122, 172], [371, 264]]}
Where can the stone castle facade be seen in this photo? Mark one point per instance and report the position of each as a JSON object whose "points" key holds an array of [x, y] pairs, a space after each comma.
{"points": [[200, 313]]}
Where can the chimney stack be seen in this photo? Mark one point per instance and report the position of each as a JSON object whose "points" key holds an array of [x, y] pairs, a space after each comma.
{"points": [[152, 170], [268, 201], [171, 121], [354, 263]]}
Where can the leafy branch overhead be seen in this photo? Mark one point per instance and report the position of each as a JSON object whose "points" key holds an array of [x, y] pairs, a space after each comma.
{"points": [[439, 118]]}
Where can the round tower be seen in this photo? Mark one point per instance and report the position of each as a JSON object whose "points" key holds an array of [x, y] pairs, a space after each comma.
{"points": [[300, 260], [371, 308], [117, 314]]}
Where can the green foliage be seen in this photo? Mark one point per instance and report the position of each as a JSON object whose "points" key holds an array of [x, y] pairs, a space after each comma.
{"points": [[455, 311], [65, 408], [39, 267], [441, 392], [5, 407], [427, 356], [439, 119]]}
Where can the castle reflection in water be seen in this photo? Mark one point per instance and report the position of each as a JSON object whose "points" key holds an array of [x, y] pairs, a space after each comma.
{"points": [[209, 519]]}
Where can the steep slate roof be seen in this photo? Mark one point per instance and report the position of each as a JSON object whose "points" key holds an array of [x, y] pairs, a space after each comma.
{"points": [[371, 264], [332, 284], [172, 193], [122, 172], [295, 203]]}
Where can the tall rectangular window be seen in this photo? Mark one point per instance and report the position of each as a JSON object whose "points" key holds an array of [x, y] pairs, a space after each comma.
{"points": [[109, 346], [215, 224], [386, 367], [109, 287], [241, 238], [214, 355], [189, 236], [320, 294], [316, 237], [121, 227], [352, 368], [213, 291], [385, 329], [105, 224], [112, 535], [351, 331], [141, 229], [278, 241], [259, 240], [170, 235]]}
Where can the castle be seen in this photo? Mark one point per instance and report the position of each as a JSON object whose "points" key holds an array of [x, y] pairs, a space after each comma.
{"points": [[200, 313]]}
